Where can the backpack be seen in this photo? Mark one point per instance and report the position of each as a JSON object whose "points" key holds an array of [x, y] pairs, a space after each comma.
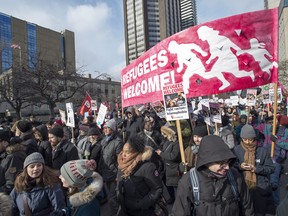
{"points": [[196, 189]]}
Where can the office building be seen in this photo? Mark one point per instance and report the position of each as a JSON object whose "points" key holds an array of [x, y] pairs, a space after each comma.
{"points": [[147, 22], [24, 43]]}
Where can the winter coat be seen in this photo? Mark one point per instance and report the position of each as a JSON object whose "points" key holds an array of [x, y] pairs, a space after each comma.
{"points": [[111, 146], [5, 205], [85, 202], [40, 200], [30, 142], [65, 152], [44, 147], [132, 127], [263, 163], [227, 135], [94, 150], [81, 145], [281, 144], [11, 163], [156, 136], [170, 154], [216, 196], [138, 193]]}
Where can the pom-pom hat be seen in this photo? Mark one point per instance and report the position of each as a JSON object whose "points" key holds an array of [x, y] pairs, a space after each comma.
{"points": [[76, 172]]}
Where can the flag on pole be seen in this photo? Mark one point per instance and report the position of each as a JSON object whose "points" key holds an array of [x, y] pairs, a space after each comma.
{"points": [[15, 46], [86, 105]]}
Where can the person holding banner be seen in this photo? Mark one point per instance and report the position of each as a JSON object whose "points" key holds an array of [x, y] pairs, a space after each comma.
{"points": [[132, 123]]}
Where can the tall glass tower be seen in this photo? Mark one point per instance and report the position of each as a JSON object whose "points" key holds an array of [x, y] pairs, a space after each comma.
{"points": [[147, 22]]}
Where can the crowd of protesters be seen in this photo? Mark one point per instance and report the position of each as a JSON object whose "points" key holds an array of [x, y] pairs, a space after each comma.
{"points": [[133, 164]]}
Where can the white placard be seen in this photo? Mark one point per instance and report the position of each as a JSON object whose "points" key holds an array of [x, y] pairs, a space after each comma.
{"points": [[70, 115]]}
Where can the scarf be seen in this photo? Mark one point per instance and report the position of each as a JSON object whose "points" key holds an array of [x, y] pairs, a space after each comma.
{"points": [[249, 157], [129, 164]]}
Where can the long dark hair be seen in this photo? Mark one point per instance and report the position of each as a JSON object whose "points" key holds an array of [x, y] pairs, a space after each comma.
{"points": [[48, 178]]}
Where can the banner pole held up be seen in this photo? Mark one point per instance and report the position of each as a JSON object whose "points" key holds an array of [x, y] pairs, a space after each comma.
{"points": [[180, 141], [274, 118]]}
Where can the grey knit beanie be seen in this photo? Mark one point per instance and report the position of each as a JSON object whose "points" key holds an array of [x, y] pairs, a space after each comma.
{"points": [[247, 132], [76, 172], [35, 157], [111, 124]]}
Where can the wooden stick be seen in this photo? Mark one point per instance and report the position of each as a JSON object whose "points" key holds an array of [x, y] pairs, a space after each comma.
{"points": [[180, 141], [274, 118]]}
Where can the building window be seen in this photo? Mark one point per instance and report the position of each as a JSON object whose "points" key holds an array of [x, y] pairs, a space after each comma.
{"points": [[32, 51], [6, 39]]}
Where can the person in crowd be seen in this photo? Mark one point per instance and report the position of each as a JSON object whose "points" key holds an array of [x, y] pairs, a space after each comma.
{"points": [[216, 194], [226, 132], [256, 165], [62, 150], [84, 187], [132, 123], [170, 154], [37, 189], [151, 137], [185, 131], [82, 140], [93, 148], [139, 184], [111, 146], [24, 131], [242, 122], [5, 205], [44, 146], [280, 150], [12, 156], [282, 208], [33, 121], [191, 151]]}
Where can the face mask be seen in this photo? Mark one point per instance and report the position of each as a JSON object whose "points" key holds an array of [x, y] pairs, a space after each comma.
{"points": [[195, 149]]}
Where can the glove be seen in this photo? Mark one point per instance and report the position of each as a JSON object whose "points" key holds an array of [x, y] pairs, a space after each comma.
{"points": [[273, 138]]}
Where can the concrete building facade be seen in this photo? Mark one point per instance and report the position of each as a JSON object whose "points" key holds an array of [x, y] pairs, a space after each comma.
{"points": [[147, 22]]}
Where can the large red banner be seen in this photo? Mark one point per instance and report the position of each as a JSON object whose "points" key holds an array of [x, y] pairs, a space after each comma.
{"points": [[224, 55]]}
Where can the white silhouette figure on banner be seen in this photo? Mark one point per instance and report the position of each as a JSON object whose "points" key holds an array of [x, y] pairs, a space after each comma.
{"points": [[221, 51], [258, 51], [189, 58]]}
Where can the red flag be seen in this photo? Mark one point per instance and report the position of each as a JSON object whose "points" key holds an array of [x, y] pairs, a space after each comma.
{"points": [[220, 56], [86, 105]]}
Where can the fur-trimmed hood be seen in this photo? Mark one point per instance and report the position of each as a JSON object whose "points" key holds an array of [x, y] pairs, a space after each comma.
{"points": [[89, 193], [15, 147], [147, 154], [5, 205]]}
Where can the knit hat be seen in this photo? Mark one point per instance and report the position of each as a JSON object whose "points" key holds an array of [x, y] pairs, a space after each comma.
{"points": [[84, 127], [111, 124], [5, 135], [93, 131], [24, 126], [76, 172], [57, 131], [247, 132], [200, 131], [35, 157], [130, 109]]}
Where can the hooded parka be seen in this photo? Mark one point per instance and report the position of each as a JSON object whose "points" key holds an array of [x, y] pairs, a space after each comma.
{"points": [[216, 196]]}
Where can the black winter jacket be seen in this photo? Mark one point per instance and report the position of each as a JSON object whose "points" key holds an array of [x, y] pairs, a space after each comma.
{"points": [[138, 193]]}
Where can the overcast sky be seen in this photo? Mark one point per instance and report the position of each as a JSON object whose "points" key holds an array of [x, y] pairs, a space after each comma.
{"points": [[98, 25]]}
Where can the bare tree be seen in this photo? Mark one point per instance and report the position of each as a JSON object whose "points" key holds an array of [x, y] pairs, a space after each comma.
{"points": [[52, 84]]}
